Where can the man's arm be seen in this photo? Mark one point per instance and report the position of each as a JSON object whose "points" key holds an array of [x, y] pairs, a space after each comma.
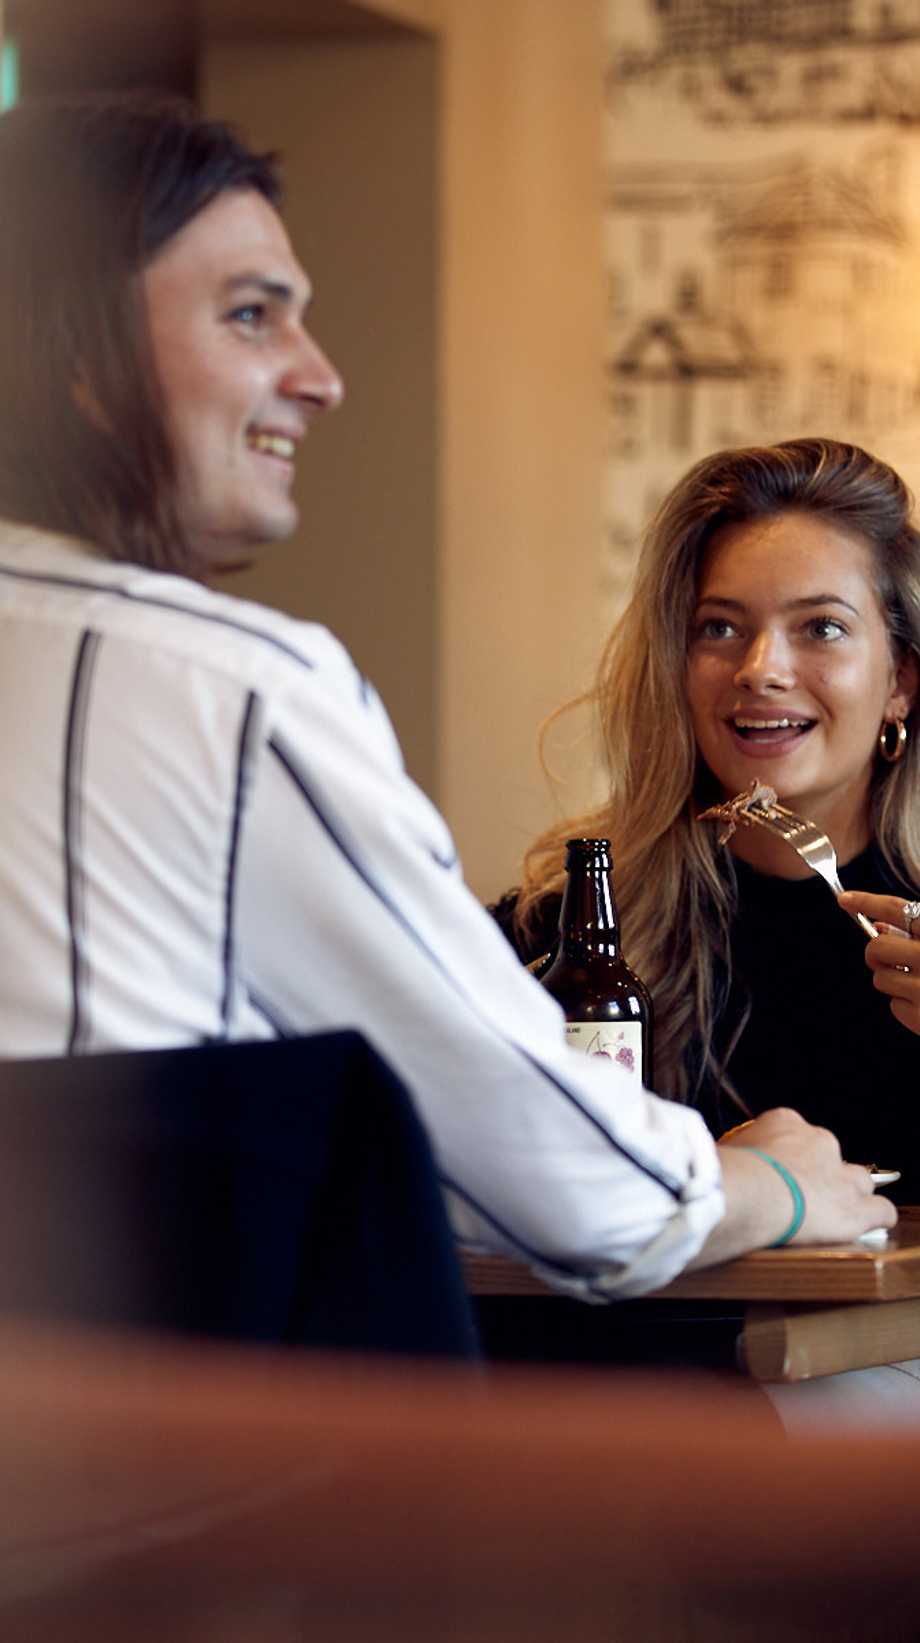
{"points": [[351, 912]]}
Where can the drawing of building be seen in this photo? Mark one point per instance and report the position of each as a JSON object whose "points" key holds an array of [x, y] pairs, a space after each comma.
{"points": [[754, 303], [762, 237], [660, 374], [815, 263], [769, 61], [691, 26]]}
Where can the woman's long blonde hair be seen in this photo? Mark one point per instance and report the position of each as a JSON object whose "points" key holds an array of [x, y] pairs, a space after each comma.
{"points": [[675, 887]]}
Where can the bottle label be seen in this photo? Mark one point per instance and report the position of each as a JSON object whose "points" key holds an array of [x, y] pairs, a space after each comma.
{"points": [[619, 1042]]}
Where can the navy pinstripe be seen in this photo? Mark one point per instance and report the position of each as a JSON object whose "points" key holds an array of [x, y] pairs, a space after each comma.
{"points": [[72, 826], [217, 618], [243, 758], [527, 1251]]}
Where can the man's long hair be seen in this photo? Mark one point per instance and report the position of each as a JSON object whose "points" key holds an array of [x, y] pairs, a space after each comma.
{"points": [[676, 891], [90, 189]]}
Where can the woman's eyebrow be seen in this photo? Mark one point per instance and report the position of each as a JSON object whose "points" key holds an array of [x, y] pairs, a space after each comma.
{"points": [[804, 602], [821, 599]]}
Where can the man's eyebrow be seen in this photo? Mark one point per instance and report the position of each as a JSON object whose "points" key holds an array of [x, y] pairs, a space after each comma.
{"points": [[278, 290]]}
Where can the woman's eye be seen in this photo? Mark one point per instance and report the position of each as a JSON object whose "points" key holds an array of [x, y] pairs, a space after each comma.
{"points": [[826, 627], [715, 627]]}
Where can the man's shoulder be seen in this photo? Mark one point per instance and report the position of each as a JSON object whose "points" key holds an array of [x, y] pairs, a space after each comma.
{"points": [[55, 579]]}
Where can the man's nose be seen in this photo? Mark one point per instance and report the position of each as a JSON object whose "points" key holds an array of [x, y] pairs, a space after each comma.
{"points": [[313, 377], [766, 664]]}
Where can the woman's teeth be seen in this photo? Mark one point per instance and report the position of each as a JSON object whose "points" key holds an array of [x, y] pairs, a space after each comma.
{"points": [[754, 727], [274, 444]]}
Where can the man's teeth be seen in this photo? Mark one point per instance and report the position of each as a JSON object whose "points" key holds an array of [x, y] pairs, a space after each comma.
{"points": [[274, 444], [770, 724]]}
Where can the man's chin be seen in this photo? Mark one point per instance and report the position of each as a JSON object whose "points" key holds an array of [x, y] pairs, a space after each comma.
{"points": [[228, 556], [231, 567]]}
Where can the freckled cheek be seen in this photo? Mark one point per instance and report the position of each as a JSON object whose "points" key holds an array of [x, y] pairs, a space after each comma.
{"points": [[848, 686], [824, 681], [700, 703], [705, 680]]}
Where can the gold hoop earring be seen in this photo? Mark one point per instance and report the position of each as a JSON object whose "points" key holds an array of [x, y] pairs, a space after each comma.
{"points": [[890, 754]]}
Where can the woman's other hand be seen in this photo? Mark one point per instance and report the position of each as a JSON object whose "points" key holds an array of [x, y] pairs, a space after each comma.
{"points": [[894, 955]]}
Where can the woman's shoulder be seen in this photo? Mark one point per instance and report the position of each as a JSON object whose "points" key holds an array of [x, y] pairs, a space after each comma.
{"points": [[541, 929], [871, 870]]}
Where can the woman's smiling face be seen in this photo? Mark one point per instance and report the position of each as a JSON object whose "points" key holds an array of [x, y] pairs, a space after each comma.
{"points": [[790, 669]]}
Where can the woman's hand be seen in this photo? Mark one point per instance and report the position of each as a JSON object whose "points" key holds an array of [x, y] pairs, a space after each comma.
{"points": [[894, 955]]}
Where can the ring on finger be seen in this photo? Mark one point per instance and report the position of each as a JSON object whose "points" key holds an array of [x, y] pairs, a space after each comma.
{"points": [[904, 969], [910, 912]]}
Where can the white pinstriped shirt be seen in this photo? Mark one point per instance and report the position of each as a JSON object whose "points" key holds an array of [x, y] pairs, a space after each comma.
{"points": [[207, 833]]}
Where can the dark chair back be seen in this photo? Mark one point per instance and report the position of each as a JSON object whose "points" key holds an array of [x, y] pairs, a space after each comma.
{"points": [[271, 1192]]}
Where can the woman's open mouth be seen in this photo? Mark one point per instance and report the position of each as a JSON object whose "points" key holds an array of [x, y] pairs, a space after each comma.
{"points": [[769, 735]]}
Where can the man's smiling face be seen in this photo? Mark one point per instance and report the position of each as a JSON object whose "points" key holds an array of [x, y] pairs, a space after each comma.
{"points": [[241, 377]]}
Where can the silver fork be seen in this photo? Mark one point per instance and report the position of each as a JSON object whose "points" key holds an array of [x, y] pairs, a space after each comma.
{"points": [[807, 840]]}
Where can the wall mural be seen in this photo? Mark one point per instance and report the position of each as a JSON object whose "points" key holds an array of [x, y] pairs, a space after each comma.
{"points": [[762, 237]]}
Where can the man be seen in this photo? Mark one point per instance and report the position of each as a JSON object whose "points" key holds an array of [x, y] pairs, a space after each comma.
{"points": [[207, 830]]}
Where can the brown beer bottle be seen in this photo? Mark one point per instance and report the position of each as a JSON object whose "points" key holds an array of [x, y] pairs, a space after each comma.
{"points": [[608, 1011]]}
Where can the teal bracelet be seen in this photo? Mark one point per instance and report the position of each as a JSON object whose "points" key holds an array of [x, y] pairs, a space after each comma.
{"points": [[798, 1197]]}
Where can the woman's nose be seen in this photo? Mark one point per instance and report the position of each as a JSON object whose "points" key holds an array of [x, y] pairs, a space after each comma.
{"points": [[766, 664]]}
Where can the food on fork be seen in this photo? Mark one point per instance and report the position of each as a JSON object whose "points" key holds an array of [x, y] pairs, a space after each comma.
{"points": [[756, 803]]}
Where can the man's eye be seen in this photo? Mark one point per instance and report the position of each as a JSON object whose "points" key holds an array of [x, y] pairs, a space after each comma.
{"points": [[251, 315]]}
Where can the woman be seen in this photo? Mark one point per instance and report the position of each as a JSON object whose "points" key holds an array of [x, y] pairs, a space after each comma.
{"points": [[773, 636]]}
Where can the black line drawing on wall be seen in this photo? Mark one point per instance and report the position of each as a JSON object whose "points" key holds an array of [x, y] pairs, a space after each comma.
{"points": [[778, 60], [763, 282]]}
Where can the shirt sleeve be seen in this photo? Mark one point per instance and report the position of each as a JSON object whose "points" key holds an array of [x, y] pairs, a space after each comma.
{"points": [[352, 912]]}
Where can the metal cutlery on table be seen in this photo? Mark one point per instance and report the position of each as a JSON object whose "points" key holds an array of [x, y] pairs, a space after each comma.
{"points": [[758, 807]]}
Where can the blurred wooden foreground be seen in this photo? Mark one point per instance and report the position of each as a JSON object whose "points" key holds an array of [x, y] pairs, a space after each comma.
{"points": [[153, 1493]]}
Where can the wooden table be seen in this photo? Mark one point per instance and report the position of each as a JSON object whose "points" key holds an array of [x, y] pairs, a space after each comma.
{"points": [[157, 1489], [808, 1312]]}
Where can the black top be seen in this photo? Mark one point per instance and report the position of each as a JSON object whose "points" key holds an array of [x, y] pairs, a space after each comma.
{"points": [[819, 1037]]}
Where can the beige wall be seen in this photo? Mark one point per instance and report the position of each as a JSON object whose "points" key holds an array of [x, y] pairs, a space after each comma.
{"points": [[513, 557], [523, 410], [422, 14], [354, 120]]}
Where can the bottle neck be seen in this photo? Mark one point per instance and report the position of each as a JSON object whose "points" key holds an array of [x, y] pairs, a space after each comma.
{"points": [[588, 925]]}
